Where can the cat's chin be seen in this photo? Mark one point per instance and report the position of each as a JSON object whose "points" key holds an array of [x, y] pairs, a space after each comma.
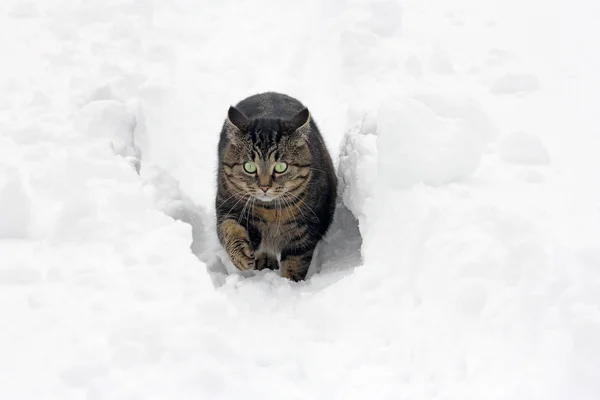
{"points": [[265, 198]]}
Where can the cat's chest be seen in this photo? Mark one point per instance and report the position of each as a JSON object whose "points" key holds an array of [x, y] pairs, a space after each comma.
{"points": [[273, 238], [276, 218], [276, 226]]}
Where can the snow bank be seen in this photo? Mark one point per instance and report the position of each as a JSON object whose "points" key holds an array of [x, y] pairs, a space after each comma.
{"points": [[515, 83], [15, 213], [358, 167], [114, 120], [169, 198], [523, 148], [430, 139]]}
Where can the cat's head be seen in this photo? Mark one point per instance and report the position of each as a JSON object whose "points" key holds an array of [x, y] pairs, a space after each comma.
{"points": [[267, 158]]}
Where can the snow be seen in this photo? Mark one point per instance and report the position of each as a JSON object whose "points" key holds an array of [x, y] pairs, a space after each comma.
{"points": [[430, 139], [521, 147], [14, 206], [463, 259], [515, 83]]}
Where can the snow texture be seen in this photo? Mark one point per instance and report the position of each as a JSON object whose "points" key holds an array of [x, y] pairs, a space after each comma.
{"points": [[515, 83], [521, 147], [464, 259]]}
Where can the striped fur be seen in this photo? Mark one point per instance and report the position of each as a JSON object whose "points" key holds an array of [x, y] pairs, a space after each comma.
{"points": [[281, 227]]}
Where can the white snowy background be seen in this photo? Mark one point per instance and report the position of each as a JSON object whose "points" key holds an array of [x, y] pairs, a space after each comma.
{"points": [[466, 136]]}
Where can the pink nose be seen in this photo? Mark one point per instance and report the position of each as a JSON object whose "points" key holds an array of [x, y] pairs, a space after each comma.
{"points": [[264, 188]]}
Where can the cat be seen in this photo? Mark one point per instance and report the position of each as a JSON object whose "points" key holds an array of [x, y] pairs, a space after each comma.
{"points": [[276, 185]]}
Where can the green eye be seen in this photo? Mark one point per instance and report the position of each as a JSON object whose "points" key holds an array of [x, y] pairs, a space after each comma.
{"points": [[280, 167], [250, 167]]}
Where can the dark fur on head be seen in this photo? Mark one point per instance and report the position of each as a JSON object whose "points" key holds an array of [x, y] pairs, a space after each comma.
{"points": [[276, 184]]}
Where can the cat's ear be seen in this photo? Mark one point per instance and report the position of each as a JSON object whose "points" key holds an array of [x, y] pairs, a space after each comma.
{"points": [[235, 124], [237, 118], [301, 119], [300, 123]]}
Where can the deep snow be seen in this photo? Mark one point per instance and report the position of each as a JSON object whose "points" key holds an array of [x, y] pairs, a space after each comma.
{"points": [[464, 262]]}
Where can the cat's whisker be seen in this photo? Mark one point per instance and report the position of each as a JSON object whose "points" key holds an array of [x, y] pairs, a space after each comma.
{"points": [[253, 213], [227, 199], [278, 215], [303, 202], [236, 203], [316, 169], [249, 211], [244, 209], [287, 208], [251, 200], [304, 219]]}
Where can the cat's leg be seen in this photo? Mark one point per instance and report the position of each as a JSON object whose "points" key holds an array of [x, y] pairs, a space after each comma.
{"points": [[266, 261], [234, 238], [295, 266]]}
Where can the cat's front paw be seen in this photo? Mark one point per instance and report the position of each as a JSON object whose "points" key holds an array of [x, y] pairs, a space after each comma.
{"points": [[242, 256]]}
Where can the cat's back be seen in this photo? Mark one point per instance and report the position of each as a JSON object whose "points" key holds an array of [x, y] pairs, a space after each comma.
{"points": [[270, 105]]}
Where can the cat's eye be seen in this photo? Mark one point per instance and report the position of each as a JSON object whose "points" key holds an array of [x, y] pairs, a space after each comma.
{"points": [[280, 167], [250, 167]]}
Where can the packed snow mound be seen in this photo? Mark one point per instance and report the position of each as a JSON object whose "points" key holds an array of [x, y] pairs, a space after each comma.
{"points": [[15, 205], [430, 139], [114, 120], [523, 148], [515, 83], [170, 199], [358, 168]]}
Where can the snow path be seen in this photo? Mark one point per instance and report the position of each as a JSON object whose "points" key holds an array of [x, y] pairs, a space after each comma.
{"points": [[465, 141]]}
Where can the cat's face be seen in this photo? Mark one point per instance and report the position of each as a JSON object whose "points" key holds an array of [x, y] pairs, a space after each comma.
{"points": [[267, 159]]}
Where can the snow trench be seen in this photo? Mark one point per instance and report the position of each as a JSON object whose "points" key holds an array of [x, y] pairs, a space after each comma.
{"points": [[338, 253]]}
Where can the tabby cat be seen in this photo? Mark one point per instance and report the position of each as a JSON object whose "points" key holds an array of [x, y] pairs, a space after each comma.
{"points": [[276, 185]]}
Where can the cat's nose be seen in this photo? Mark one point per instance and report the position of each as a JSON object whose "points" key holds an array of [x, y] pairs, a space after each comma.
{"points": [[264, 188]]}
